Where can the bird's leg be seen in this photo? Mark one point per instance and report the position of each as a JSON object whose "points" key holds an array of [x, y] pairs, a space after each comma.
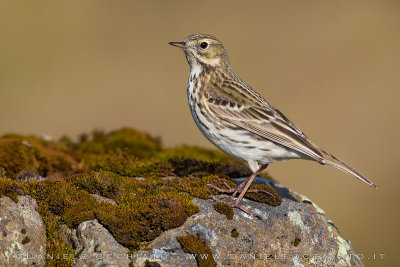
{"points": [[239, 188], [247, 185], [242, 188], [230, 189], [232, 205]]}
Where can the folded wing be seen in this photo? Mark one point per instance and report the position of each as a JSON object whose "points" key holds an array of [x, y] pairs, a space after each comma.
{"points": [[258, 117]]}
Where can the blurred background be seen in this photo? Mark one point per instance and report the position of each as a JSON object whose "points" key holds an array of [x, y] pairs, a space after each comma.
{"points": [[332, 67]]}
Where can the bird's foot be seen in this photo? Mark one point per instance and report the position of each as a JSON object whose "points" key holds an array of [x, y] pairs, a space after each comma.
{"points": [[233, 203], [229, 189], [221, 190], [237, 190]]}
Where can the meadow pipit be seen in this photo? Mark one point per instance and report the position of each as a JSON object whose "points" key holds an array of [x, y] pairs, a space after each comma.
{"points": [[240, 121]]}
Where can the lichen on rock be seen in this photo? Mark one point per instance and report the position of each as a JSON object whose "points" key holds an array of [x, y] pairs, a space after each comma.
{"points": [[21, 232]]}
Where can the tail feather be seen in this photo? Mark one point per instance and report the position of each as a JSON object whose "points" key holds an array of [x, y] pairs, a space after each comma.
{"points": [[343, 166]]}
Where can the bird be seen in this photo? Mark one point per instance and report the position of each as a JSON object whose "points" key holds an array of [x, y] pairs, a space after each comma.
{"points": [[239, 121]]}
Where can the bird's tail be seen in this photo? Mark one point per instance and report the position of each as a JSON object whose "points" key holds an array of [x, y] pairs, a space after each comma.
{"points": [[331, 160]]}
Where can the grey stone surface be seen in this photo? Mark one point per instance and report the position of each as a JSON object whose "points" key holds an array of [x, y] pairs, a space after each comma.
{"points": [[94, 245], [296, 233], [22, 233]]}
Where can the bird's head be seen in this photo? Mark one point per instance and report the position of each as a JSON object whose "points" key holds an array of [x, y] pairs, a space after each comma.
{"points": [[204, 50]]}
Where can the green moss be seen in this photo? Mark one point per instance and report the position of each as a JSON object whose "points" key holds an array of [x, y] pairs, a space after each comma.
{"points": [[16, 157], [147, 218], [184, 167], [136, 144], [37, 142], [20, 158], [234, 233], [122, 163], [55, 246], [63, 199], [272, 198], [107, 184], [10, 188], [224, 209], [296, 241], [194, 186], [195, 152], [146, 208], [194, 245]]}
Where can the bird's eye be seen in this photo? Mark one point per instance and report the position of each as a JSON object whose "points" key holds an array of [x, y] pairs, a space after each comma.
{"points": [[204, 45]]}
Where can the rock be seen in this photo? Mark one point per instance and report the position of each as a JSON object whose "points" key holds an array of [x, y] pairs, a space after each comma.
{"points": [[22, 233], [296, 233], [94, 245]]}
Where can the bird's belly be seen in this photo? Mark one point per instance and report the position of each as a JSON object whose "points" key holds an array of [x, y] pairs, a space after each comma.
{"points": [[238, 142], [247, 146]]}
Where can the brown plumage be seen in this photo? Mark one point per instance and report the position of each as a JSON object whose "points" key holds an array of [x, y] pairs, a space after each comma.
{"points": [[238, 120]]}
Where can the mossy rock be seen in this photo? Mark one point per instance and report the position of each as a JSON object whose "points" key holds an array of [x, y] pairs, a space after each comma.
{"points": [[20, 159], [152, 187], [135, 143]]}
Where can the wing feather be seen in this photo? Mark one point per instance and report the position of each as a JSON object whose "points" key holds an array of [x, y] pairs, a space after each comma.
{"points": [[259, 117]]}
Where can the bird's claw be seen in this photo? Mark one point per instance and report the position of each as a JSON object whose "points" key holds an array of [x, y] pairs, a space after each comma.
{"points": [[229, 190], [233, 204]]}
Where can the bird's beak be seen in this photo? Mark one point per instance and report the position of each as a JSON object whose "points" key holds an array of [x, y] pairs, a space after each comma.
{"points": [[178, 44]]}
